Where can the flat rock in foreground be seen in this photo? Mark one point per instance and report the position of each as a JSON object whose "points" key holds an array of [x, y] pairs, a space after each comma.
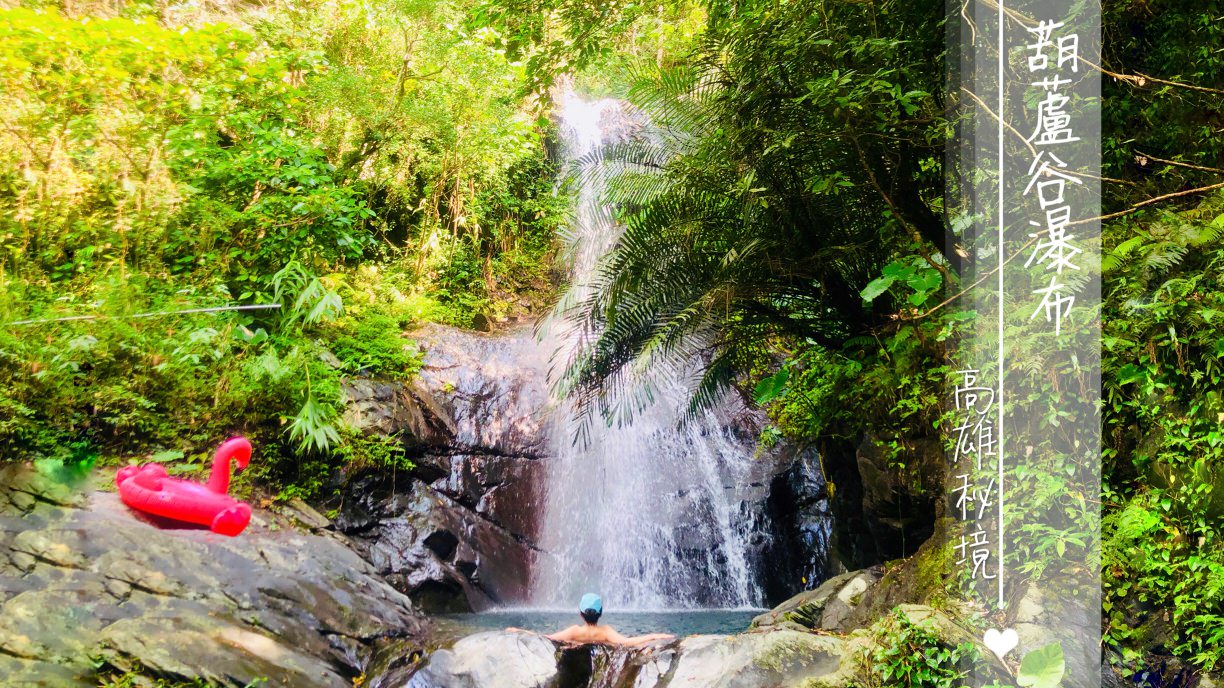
{"points": [[85, 582]]}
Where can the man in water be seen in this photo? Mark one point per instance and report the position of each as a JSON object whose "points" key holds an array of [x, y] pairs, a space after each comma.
{"points": [[590, 632]]}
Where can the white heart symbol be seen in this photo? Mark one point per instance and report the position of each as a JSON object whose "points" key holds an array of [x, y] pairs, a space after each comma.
{"points": [[1001, 643]]}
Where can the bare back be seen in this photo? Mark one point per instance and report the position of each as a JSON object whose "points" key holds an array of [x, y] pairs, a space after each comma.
{"points": [[590, 634]]}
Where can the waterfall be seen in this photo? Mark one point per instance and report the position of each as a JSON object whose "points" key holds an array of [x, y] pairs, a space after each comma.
{"points": [[647, 513]]}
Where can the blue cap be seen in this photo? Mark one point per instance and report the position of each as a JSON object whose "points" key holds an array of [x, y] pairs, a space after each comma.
{"points": [[591, 602]]}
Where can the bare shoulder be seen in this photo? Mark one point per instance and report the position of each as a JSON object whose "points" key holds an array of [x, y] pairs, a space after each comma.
{"points": [[610, 635], [568, 635]]}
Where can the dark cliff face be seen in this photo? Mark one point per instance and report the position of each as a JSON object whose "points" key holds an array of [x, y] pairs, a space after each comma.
{"points": [[461, 530], [450, 551], [880, 512], [799, 514], [458, 532]]}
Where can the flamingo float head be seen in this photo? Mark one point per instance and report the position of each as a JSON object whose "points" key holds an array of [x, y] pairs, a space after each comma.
{"points": [[125, 473], [237, 449]]}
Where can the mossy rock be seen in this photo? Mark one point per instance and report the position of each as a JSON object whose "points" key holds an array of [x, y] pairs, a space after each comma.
{"points": [[927, 578], [827, 607]]}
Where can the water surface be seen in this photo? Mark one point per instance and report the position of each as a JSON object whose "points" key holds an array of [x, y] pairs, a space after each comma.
{"points": [[678, 622]]}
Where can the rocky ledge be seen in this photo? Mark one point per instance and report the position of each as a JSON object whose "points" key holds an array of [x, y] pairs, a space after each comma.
{"points": [[797, 645], [87, 589], [822, 638], [776, 657]]}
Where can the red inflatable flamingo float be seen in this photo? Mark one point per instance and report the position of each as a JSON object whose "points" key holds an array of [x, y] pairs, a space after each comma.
{"points": [[149, 489]]}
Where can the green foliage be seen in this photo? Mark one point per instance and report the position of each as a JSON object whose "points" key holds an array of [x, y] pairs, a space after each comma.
{"points": [[225, 153], [922, 280], [787, 167], [375, 451], [1043, 667], [137, 676], [375, 347], [422, 112], [368, 167], [1170, 107], [1164, 450], [136, 679], [772, 387], [896, 383], [601, 41], [119, 385], [909, 655], [73, 469], [128, 144]]}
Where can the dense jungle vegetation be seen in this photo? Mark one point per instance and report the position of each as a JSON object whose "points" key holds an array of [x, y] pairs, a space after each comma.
{"points": [[373, 166], [369, 167]]}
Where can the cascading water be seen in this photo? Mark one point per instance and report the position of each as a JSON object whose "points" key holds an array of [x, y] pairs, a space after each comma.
{"points": [[647, 513]]}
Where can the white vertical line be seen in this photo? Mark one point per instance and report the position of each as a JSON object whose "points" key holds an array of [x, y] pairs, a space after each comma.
{"points": [[1002, 114]]}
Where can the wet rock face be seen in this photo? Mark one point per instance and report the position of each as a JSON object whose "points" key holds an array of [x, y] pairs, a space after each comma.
{"points": [[503, 489], [881, 511], [476, 393], [443, 553], [385, 408], [901, 502], [459, 531], [489, 660], [490, 392], [81, 575], [781, 507], [796, 556]]}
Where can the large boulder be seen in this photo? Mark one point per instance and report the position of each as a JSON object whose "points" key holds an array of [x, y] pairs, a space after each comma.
{"points": [[491, 660], [445, 555], [828, 607], [765, 659], [777, 657], [856, 601], [85, 577]]}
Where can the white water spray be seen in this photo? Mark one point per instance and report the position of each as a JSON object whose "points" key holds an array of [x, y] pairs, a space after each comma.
{"points": [[646, 513]]}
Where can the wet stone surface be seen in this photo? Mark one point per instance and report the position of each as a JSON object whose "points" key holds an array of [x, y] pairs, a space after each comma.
{"points": [[461, 531], [83, 578]]}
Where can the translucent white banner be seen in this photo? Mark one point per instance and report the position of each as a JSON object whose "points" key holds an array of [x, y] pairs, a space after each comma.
{"points": [[1024, 438]]}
